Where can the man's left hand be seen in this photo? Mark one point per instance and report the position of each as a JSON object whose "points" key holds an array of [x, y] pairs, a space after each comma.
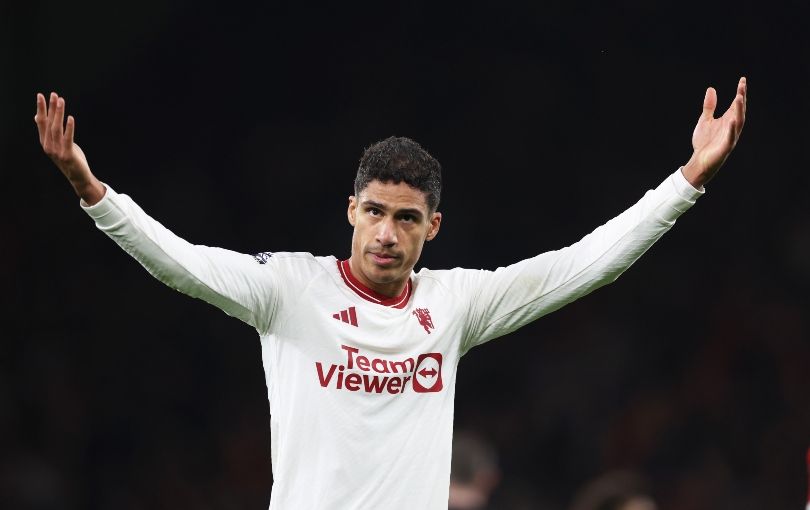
{"points": [[714, 139]]}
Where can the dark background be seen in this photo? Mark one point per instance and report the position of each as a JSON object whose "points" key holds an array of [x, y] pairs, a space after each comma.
{"points": [[240, 125]]}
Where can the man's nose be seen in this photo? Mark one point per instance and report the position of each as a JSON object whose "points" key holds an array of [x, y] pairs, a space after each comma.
{"points": [[386, 232]]}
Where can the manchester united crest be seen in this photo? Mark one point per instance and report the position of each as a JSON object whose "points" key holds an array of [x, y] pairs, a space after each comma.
{"points": [[423, 316]]}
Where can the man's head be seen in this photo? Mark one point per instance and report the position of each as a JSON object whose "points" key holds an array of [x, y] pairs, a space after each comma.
{"points": [[398, 159], [393, 212]]}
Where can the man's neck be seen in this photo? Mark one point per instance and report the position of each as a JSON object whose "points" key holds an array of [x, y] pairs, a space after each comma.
{"points": [[397, 301], [388, 290]]}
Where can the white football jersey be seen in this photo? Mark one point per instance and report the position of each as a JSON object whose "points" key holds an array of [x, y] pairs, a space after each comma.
{"points": [[361, 386]]}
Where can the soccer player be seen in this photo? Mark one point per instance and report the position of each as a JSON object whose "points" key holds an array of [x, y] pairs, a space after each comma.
{"points": [[360, 355]]}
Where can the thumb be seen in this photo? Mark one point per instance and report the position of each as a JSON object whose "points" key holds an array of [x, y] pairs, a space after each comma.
{"points": [[709, 103]]}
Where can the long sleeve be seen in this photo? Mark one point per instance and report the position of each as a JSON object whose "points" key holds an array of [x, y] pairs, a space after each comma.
{"points": [[241, 285], [510, 297]]}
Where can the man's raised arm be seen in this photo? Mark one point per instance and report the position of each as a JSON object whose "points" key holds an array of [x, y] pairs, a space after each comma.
{"points": [[512, 296], [239, 284]]}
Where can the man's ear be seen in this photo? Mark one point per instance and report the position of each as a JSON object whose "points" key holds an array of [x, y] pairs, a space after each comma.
{"points": [[352, 210], [435, 223]]}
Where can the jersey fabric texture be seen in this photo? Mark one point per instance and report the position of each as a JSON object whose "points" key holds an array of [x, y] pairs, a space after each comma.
{"points": [[361, 386]]}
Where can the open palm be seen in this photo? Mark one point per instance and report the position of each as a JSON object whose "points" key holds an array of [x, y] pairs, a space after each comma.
{"points": [[56, 138], [714, 139]]}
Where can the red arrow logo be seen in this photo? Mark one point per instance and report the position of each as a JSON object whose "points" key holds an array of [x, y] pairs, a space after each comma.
{"points": [[428, 370], [427, 373]]}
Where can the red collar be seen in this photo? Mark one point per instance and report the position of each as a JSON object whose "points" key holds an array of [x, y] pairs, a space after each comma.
{"points": [[371, 295]]}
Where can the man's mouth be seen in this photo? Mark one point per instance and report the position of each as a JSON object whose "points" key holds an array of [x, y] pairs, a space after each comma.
{"points": [[383, 259]]}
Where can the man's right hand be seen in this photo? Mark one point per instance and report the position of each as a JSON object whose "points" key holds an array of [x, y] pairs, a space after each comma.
{"points": [[57, 142]]}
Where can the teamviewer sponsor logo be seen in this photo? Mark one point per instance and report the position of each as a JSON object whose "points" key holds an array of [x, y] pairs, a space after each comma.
{"points": [[428, 378], [367, 374]]}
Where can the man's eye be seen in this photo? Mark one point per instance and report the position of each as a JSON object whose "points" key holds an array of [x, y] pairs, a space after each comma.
{"points": [[409, 218], [374, 212]]}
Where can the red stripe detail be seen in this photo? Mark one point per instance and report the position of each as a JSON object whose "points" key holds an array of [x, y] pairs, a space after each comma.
{"points": [[344, 316], [371, 295], [354, 287], [336, 316], [353, 316]]}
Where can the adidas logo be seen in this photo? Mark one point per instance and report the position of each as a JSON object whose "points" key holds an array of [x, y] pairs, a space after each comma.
{"points": [[348, 316]]}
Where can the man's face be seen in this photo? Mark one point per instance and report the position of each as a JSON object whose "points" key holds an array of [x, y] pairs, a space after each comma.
{"points": [[391, 224]]}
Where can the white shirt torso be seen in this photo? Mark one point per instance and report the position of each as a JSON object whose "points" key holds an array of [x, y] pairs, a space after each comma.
{"points": [[361, 392]]}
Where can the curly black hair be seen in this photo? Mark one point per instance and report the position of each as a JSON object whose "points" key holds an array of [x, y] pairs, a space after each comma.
{"points": [[399, 159]]}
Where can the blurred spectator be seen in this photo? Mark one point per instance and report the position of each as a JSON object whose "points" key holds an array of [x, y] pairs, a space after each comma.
{"points": [[617, 490], [474, 472]]}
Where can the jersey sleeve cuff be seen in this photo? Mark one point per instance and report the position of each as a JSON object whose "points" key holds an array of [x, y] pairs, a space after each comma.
{"points": [[685, 188], [104, 212], [676, 196]]}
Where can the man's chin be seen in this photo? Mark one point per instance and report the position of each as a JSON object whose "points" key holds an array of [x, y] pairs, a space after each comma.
{"points": [[383, 274]]}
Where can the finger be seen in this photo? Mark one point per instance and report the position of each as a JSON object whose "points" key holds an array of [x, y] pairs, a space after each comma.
{"points": [[739, 104], [71, 127], [733, 134], [739, 121], [58, 121], [49, 113], [41, 110], [41, 117], [709, 103], [51, 108]]}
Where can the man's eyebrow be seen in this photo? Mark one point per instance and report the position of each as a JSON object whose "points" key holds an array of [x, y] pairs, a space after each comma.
{"points": [[382, 207], [372, 203]]}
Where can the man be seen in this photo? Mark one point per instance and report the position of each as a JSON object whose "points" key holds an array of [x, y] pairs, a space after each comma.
{"points": [[474, 472], [615, 490], [360, 355]]}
